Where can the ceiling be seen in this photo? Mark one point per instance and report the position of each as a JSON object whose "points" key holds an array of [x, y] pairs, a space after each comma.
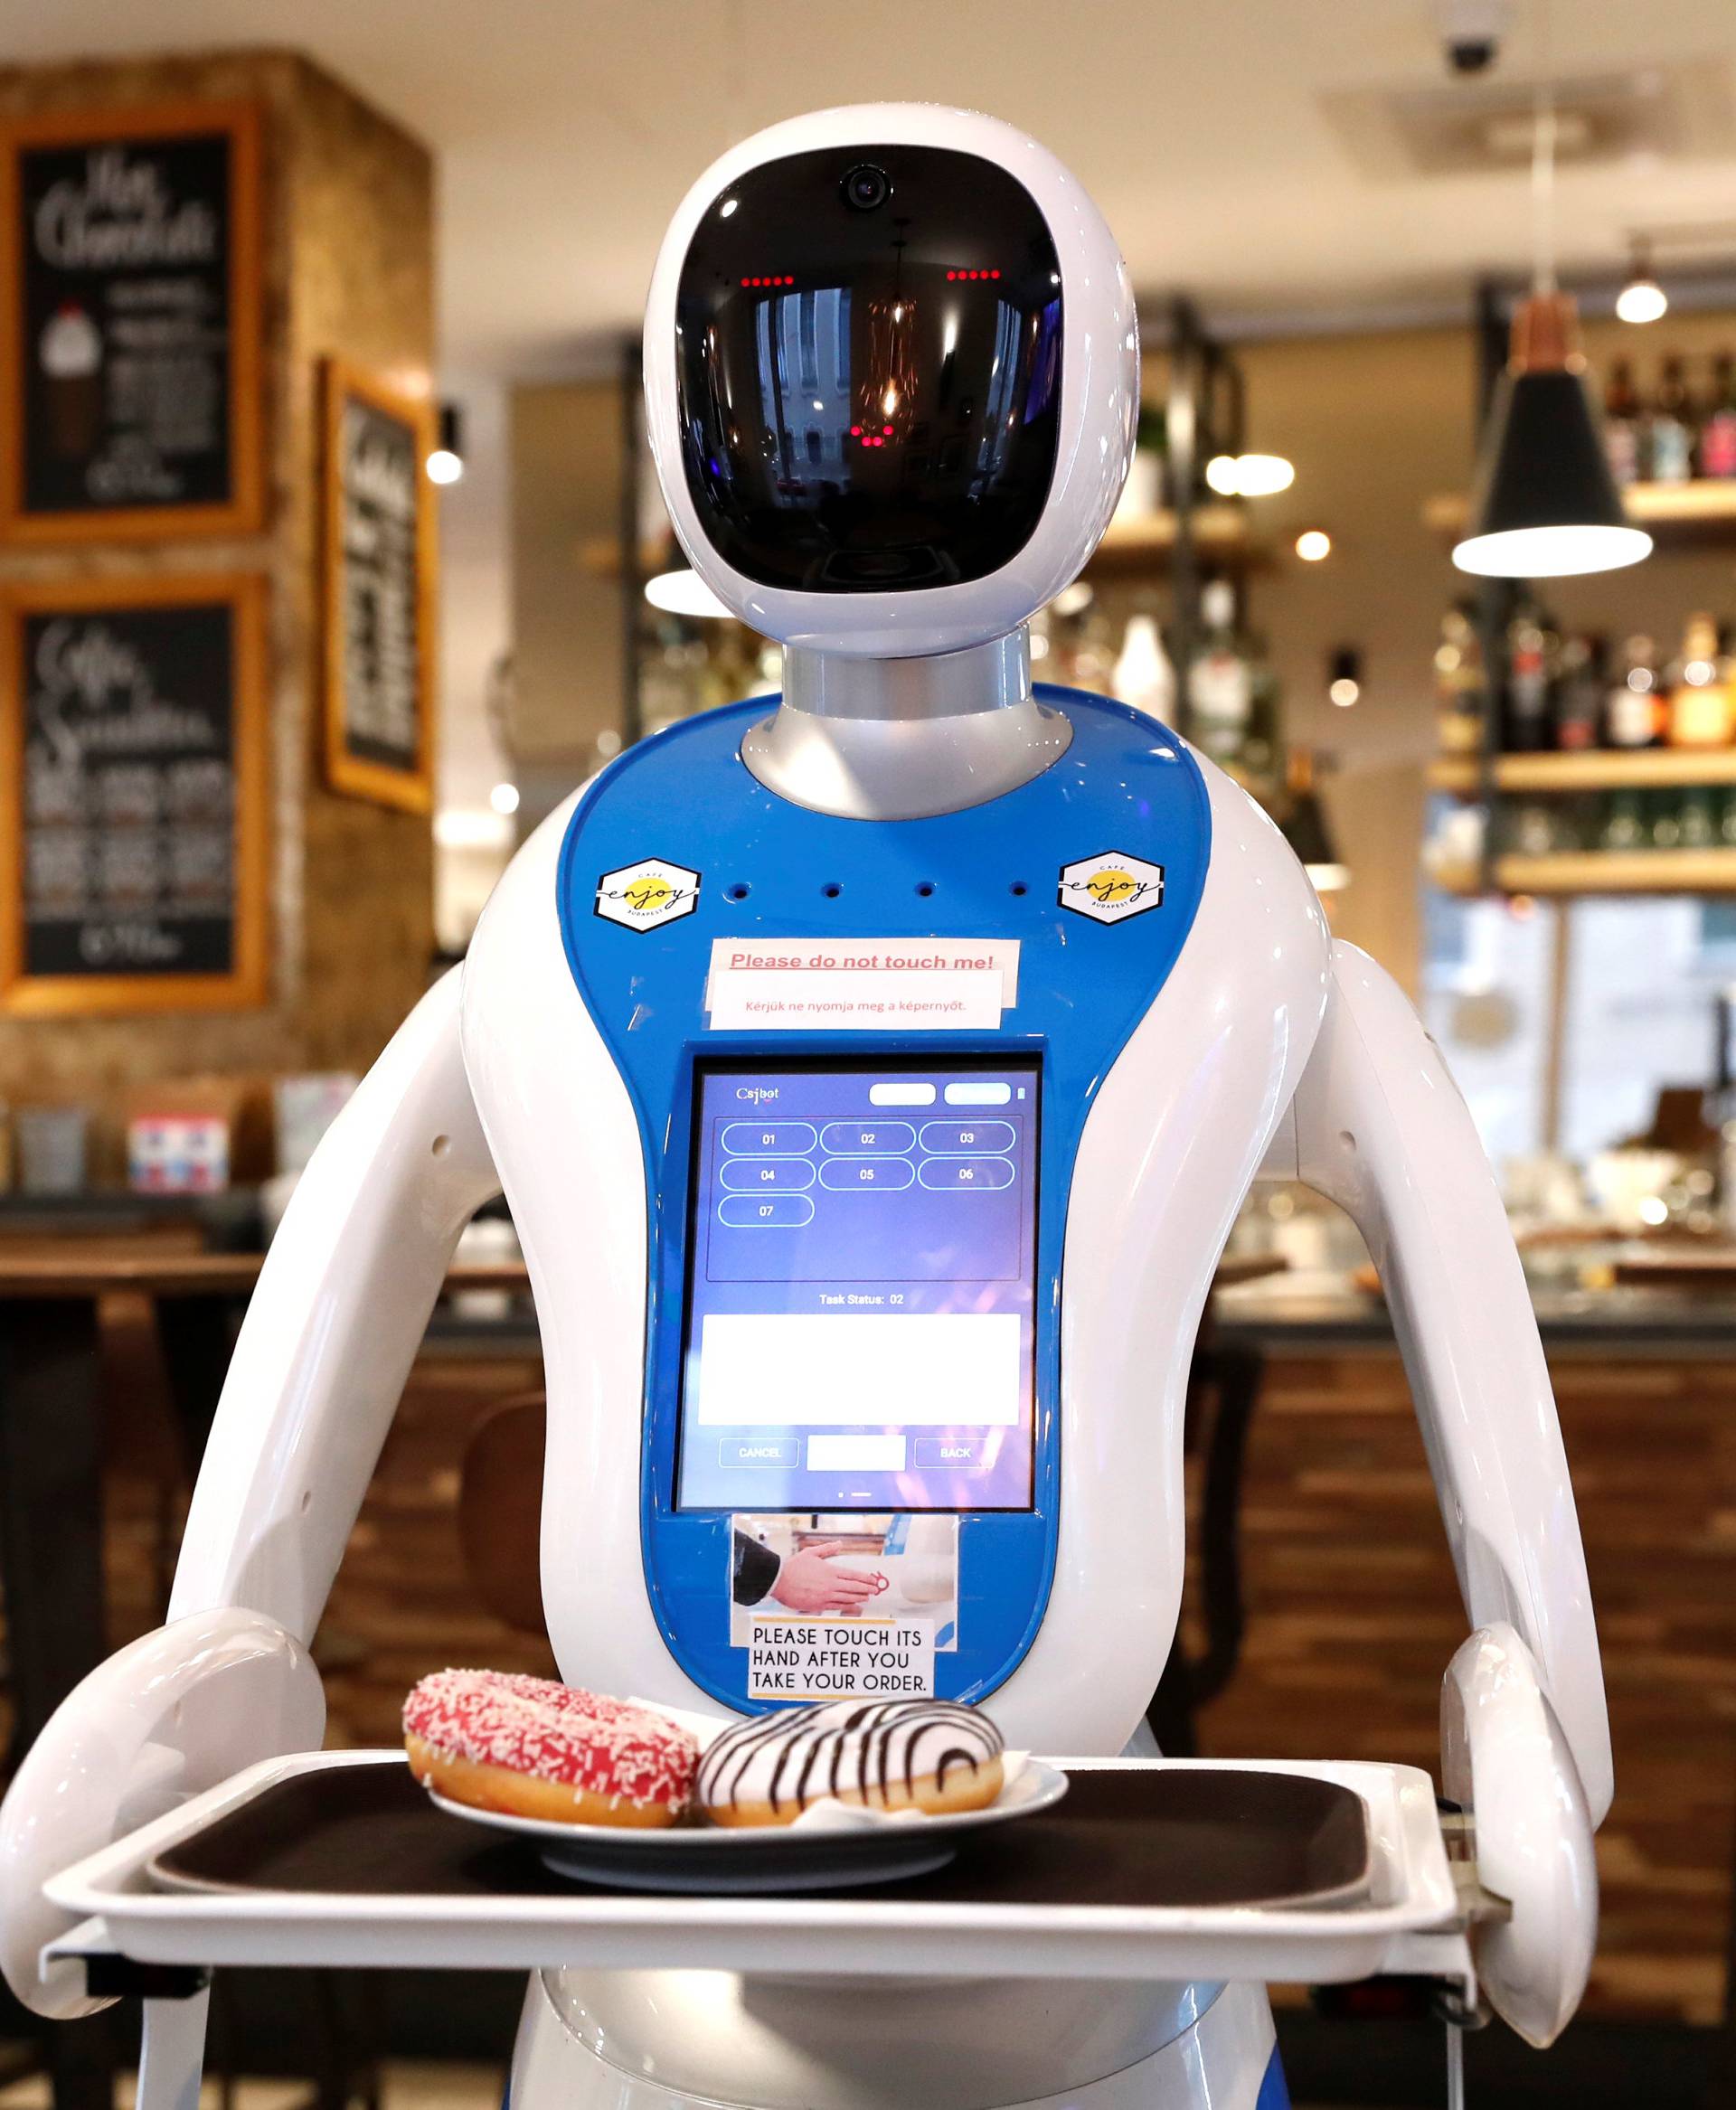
{"points": [[1228, 141]]}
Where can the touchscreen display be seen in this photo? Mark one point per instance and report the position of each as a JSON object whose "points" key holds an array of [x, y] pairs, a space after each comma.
{"points": [[860, 1330]]}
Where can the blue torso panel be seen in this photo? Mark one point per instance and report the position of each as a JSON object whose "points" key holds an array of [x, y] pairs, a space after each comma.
{"points": [[676, 845]]}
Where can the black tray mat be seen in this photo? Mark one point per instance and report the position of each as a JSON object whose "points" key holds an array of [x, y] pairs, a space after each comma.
{"points": [[1122, 1837]]}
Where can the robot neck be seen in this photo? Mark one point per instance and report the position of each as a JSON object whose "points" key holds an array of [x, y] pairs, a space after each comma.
{"points": [[899, 739]]}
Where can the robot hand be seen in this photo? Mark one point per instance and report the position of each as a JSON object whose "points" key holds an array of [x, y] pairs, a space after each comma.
{"points": [[167, 1717]]}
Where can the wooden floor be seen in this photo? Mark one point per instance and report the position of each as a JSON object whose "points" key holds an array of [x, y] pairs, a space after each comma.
{"points": [[1354, 1613]]}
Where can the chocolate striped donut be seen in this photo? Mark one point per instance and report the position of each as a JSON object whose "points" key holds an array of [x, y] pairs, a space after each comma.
{"points": [[934, 1755]]}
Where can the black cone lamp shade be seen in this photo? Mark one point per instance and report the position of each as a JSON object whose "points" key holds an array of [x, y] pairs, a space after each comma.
{"points": [[1303, 823], [1545, 505]]}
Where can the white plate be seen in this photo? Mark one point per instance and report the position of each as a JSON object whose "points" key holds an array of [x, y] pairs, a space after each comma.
{"points": [[740, 1859]]}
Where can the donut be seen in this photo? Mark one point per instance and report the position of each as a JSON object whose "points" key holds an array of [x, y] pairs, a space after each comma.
{"points": [[932, 1754], [530, 1748]]}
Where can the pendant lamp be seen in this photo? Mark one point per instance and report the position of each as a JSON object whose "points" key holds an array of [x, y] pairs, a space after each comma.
{"points": [[1302, 821], [1543, 504]]}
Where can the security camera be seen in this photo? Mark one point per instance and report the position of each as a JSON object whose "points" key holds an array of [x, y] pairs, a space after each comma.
{"points": [[1471, 32]]}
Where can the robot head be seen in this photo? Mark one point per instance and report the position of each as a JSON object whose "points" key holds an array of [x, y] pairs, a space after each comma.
{"points": [[891, 375]]}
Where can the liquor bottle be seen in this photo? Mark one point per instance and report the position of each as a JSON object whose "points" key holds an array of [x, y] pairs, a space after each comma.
{"points": [[1624, 425], [1534, 654], [1221, 687], [1532, 829], [1142, 676], [1673, 427], [1699, 690], [1460, 688], [1718, 433], [1664, 821], [1579, 694], [1699, 819], [1624, 823], [1260, 747], [1630, 709]]}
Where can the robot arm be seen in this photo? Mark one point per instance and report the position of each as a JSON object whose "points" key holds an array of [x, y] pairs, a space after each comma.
{"points": [[329, 1339], [333, 1328], [1379, 1127]]}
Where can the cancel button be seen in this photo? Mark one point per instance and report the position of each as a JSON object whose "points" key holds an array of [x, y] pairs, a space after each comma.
{"points": [[951, 1453], [757, 1450]]}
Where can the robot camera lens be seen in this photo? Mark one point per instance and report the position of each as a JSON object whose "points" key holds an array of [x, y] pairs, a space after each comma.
{"points": [[867, 188]]}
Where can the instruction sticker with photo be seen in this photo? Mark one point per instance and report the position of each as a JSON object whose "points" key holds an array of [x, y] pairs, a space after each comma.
{"points": [[843, 1605]]}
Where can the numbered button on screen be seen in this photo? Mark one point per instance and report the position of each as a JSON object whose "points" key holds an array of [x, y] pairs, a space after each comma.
{"points": [[762, 1175], [768, 1138], [866, 1138], [964, 1175], [950, 1138], [865, 1175], [766, 1211]]}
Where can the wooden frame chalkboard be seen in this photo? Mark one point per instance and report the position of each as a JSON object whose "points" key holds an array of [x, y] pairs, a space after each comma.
{"points": [[133, 796], [377, 588], [130, 323]]}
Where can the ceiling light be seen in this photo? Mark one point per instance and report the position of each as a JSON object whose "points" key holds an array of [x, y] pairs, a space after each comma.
{"points": [[1259, 475], [1544, 504], [1314, 545], [444, 465], [1303, 823], [683, 592], [1248, 476], [503, 799], [1642, 299]]}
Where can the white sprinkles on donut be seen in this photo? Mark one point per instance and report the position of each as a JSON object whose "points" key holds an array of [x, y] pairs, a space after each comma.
{"points": [[554, 1732]]}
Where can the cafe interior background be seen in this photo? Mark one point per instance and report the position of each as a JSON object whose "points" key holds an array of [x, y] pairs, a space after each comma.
{"points": [[362, 510]]}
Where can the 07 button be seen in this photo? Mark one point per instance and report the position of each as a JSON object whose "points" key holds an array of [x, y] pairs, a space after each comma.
{"points": [[765, 1211]]}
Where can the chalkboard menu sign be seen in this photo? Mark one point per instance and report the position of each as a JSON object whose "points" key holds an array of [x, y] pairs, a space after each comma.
{"points": [[377, 598], [132, 784], [129, 355]]}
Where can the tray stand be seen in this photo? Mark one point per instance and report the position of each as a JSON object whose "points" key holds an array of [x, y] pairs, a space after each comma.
{"points": [[1409, 1917]]}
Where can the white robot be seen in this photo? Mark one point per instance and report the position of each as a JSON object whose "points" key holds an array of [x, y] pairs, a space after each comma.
{"points": [[874, 1083]]}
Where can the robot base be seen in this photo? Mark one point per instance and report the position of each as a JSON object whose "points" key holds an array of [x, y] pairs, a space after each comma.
{"points": [[699, 2039]]}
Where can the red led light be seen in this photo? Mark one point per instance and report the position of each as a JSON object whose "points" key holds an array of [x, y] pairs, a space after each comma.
{"points": [[855, 432], [887, 430], [786, 280]]}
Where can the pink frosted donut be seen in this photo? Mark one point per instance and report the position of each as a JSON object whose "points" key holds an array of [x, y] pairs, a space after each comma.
{"points": [[499, 1740]]}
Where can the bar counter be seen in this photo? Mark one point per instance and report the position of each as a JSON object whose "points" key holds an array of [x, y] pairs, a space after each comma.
{"points": [[1353, 1613]]}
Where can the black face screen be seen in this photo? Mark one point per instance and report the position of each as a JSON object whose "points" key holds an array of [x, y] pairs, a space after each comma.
{"points": [[869, 369]]}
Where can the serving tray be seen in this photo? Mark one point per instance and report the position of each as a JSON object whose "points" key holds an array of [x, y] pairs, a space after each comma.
{"points": [[1175, 1837], [1148, 1869]]}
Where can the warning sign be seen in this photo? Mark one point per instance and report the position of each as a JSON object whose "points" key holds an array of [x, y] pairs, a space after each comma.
{"points": [[847, 1659]]}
